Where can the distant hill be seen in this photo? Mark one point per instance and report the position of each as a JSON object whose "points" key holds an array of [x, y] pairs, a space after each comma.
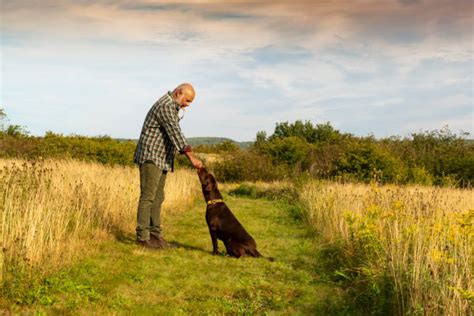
{"points": [[195, 141]]}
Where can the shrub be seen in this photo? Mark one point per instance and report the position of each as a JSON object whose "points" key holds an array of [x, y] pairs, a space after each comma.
{"points": [[289, 150], [368, 162], [101, 149], [440, 152], [419, 175], [248, 165]]}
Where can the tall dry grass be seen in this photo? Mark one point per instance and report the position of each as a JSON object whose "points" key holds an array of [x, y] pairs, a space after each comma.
{"points": [[51, 212], [417, 241]]}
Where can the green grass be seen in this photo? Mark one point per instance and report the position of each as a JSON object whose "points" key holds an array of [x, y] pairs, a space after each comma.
{"points": [[124, 279]]}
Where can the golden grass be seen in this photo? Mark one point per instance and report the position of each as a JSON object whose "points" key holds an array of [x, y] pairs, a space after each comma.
{"points": [[421, 238], [210, 158], [53, 211]]}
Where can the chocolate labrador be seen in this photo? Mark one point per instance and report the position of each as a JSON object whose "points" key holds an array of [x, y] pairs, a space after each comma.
{"points": [[222, 223]]}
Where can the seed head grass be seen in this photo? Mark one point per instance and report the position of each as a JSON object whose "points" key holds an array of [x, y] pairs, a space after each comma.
{"points": [[413, 242], [52, 212]]}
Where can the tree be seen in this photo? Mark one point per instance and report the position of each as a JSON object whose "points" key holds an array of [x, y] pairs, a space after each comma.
{"points": [[3, 117], [311, 133], [290, 150], [226, 146], [10, 130], [260, 140]]}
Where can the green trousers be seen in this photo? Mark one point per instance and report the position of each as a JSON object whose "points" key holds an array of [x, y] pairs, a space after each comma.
{"points": [[152, 195]]}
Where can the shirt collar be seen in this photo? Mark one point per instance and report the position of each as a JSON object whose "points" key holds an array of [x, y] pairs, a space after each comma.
{"points": [[176, 105]]}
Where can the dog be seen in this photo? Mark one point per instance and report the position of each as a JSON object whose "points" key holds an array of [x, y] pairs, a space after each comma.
{"points": [[223, 225]]}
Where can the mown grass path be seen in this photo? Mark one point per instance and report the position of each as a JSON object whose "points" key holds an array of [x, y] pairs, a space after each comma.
{"points": [[124, 279]]}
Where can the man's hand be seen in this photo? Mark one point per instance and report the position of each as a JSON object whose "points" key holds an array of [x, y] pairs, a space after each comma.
{"points": [[197, 163], [193, 160]]}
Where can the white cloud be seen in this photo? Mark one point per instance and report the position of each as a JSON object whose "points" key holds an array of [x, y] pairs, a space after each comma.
{"points": [[95, 67]]}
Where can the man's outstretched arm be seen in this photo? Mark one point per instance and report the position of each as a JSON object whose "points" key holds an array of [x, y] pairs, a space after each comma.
{"points": [[193, 160]]}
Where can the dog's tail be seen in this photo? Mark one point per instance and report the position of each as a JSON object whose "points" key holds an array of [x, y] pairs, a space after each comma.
{"points": [[254, 253]]}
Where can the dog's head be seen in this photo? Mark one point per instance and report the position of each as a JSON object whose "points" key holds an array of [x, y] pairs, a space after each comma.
{"points": [[208, 181]]}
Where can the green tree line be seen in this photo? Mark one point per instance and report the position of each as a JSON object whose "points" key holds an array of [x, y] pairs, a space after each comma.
{"points": [[15, 142], [438, 157]]}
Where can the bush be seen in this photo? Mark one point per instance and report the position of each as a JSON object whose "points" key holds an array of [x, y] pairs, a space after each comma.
{"points": [[441, 153], [290, 150], [248, 166], [367, 162], [419, 175], [223, 147], [101, 149]]}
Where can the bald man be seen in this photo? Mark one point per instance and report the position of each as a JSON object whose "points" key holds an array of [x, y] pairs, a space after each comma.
{"points": [[161, 137]]}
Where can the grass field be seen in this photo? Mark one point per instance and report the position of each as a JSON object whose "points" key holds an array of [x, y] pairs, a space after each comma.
{"points": [[67, 235], [121, 278], [54, 212]]}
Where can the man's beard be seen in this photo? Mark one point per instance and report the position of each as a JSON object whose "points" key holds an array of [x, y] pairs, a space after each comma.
{"points": [[182, 111]]}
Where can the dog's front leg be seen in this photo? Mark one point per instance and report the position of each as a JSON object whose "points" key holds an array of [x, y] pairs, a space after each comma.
{"points": [[214, 241]]}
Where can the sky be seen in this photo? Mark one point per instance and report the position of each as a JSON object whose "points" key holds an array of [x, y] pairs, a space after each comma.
{"points": [[380, 67]]}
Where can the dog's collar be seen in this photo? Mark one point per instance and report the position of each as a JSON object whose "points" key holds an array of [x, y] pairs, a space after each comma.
{"points": [[212, 202]]}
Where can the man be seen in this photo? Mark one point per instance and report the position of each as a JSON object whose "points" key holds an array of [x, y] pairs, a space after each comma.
{"points": [[161, 137]]}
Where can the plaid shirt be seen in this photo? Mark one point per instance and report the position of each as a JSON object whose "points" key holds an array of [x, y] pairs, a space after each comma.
{"points": [[161, 135]]}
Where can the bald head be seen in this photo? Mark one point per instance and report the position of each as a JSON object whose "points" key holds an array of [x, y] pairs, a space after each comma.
{"points": [[184, 87], [184, 94]]}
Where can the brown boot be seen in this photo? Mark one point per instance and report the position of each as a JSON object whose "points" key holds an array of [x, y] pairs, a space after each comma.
{"points": [[160, 242], [149, 244]]}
